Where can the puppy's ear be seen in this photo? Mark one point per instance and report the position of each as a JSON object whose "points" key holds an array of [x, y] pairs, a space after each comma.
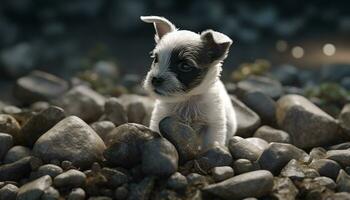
{"points": [[162, 26], [218, 44]]}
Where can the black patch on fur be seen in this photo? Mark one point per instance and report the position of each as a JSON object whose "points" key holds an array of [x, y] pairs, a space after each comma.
{"points": [[193, 56]]}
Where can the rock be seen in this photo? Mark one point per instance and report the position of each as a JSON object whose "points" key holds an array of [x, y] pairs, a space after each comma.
{"points": [[283, 188], [326, 167], [343, 182], [35, 189], [262, 104], [241, 166], [340, 156], [39, 106], [10, 110], [115, 112], [244, 149], [182, 136], [277, 155], [76, 194], [251, 184], [39, 124], [9, 125], [121, 193], [268, 86], [6, 142], [272, 135], [222, 173], [286, 74], [142, 190], [16, 153], [317, 153], [258, 142], [136, 112], [159, 157], [50, 194], [307, 125], [103, 128], [71, 139], [16, 170], [70, 179], [83, 102], [39, 86], [115, 178], [247, 120], [341, 146], [49, 169], [214, 157], [19, 59], [344, 119], [197, 180], [8, 192], [325, 181], [124, 144], [297, 171], [177, 181]]}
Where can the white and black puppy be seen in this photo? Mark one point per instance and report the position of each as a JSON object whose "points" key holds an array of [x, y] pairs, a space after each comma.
{"points": [[185, 80]]}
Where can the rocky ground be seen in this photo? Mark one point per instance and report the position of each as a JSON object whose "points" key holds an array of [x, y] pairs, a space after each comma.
{"points": [[65, 140]]}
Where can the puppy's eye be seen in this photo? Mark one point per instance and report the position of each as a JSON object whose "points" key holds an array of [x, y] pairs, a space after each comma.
{"points": [[183, 67]]}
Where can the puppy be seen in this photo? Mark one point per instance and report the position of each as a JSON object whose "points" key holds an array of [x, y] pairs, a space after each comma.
{"points": [[185, 80]]}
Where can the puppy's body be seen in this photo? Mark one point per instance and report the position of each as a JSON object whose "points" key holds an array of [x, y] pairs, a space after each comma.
{"points": [[184, 78]]}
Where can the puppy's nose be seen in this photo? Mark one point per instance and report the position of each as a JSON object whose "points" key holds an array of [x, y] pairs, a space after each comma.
{"points": [[157, 81]]}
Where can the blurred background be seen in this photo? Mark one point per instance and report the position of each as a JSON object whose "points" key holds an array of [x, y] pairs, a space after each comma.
{"points": [[303, 44]]}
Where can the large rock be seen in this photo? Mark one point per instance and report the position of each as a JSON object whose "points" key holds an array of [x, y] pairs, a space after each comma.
{"points": [[39, 124], [35, 189], [307, 124], [262, 104], [159, 157], [277, 155], [251, 184], [71, 139], [39, 86], [82, 102], [247, 120], [124, 144], [6, 142], [262, 84], [270, 134], [9, 125], [182, 136], [344, 119]]}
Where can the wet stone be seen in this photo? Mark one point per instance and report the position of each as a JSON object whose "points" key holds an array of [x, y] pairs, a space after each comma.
{"points": [[222, 173], [270, 134], [35, 189], [6, 142], [16, 153], [214, 157], [326, 167], [76, 194], [8, 192], [70, 179]]}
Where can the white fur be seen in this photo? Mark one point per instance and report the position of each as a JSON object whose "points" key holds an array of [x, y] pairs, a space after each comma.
{"points": [[208, 104]]}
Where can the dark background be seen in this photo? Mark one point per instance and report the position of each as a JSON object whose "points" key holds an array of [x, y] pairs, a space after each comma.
{"points": [[64, 37]]}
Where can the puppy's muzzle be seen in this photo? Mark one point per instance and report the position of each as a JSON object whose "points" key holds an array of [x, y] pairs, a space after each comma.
{"points": [[157, 81]]}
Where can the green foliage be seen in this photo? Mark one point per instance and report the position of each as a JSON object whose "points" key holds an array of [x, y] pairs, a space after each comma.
{"points": [[259, 67]]}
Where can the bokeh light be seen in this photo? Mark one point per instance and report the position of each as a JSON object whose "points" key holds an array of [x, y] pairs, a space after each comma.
{"points": [[329, 49], [297, 52]]}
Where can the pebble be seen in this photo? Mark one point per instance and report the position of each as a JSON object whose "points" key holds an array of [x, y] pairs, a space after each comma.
{"points": [[341, 146], [196, 180], [39, 124], [245, 150], [266, 85], [340, 156], [8, 192], [247, 120], [222, 173], [344, 119], [121, 193], [9, 125], [343, 182], [325, 181], [103, 128], [76, 194], [283, 188], [70, 179], [82, 102], [326, 167], [251, 184], [214, 157], [35, 189], [182, 136], [241, 166], [16, 170], [115, 111], [317, 153], [277, 155], [115, 178], [177, 181], [258, 142], [141, 190], [48, 169], [6, 142], [296, 171], [124, 144], [50, 194], [71, 139], [270, 134], [159, 158], [136, 112], [16, 153], [307, 125]]}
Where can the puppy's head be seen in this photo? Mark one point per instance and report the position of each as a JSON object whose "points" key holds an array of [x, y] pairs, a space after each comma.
{"points": [[184, 63]]}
